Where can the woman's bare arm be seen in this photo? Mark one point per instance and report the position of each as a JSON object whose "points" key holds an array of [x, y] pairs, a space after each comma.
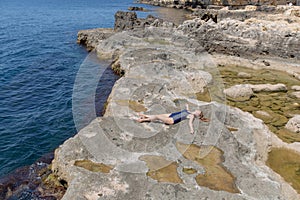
{"points": [[191, 124], [187, 107]]}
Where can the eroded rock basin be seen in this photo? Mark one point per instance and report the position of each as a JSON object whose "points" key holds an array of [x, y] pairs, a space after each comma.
{"points": [[274, 108]]}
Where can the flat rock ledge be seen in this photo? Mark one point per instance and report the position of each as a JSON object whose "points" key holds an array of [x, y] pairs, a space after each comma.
{"points": [[114, 157]]}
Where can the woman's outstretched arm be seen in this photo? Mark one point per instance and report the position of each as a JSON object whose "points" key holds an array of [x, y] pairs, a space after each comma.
{"points": [[187, 107], [191, 124]]}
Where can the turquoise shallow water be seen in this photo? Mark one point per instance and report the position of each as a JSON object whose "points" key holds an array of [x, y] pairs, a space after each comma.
{"points": [[39, 61]]}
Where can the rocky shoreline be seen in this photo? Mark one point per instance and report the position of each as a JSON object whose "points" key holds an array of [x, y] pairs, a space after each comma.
{"points": [[214, 4], [164, 67]]}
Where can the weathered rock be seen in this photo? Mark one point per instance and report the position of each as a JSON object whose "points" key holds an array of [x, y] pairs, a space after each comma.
{"points": [[134, 8], [129, 21], [269, 88], [243, 75], [91, 38], [267, 36], [239, 92], [125, 20], [246, 91], [296, 94], [263, 113], [155, 61], [294, 124], [296, 87]]}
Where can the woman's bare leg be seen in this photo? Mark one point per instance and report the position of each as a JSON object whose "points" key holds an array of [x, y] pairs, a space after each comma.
{"points": [[162, 117]]}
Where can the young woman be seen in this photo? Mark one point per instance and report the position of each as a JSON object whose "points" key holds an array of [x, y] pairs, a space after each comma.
{"points": [[174, 118]]}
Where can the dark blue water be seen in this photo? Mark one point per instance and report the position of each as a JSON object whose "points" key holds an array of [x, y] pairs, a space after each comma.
{"points": [[39, 60]]}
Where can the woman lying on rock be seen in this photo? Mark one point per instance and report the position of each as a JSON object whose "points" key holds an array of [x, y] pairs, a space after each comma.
{"points": [[174, 118]]}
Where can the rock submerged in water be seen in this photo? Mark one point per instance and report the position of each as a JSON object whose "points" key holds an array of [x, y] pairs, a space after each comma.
{"points": [[269, 87], [239, 92], [244, 92]]}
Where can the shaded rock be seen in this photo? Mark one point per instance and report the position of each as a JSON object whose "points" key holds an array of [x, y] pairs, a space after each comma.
{"points": [[91, 38], [266, 63], [269, 88], [125, 20], [294, 124], [36, 181], [129, 21], [239, 92], [134, 8]]}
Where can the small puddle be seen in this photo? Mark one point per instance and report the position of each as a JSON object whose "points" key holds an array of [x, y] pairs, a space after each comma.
{"points": [[92, 166], [161, 169], [133, 105], [216, 177]]}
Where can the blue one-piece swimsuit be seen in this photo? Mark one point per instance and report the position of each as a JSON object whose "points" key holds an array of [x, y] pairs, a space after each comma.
{"points": [[179, 116]]}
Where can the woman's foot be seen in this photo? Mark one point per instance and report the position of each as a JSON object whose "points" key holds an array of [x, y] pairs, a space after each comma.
{"points": [[143, 116], [143, 120]]}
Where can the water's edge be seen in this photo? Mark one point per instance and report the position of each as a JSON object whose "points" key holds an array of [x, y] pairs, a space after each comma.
{"points": [[37, 180]]}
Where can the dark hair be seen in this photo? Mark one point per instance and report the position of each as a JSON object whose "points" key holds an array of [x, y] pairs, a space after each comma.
{"points": [[202, 118]]}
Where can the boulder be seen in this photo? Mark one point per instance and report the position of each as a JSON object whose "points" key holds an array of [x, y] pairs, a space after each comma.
{"points": [[239, 92], [294, 124]]}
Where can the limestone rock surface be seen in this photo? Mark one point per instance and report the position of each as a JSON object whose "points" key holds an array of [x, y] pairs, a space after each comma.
{"points": [[294, 124], [296, 94], [164, 68], [275, 35], [239, 92], [269, 87], [296, 87]]}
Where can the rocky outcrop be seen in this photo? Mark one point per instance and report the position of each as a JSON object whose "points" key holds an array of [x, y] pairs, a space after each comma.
{"points": [[249, 38], [115, 157], [272, 35], [91, 38], [129, 21], [135, 8]]}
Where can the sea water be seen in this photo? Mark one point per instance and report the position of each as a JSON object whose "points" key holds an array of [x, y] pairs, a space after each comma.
{"points": [[39, 62]]}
